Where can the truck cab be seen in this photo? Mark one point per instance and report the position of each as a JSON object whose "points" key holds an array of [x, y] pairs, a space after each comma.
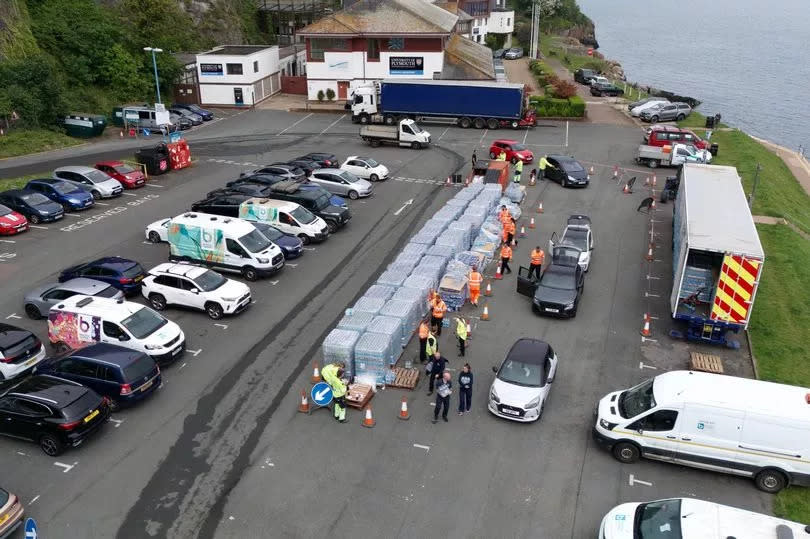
{"points": [[364, 101]]}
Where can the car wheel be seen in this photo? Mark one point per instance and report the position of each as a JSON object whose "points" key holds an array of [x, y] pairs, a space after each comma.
{"points": [[214, 310], [96, 194], [390, 120], [158, 301], [654, 119], [652, 163], [374, 178], [154, 237], [114, 405], [332, 226], [34, 219], [65, 207], [364, 119], [51, 445], [626, 452], [304, 239], [250, 273], [32, 312], [353, 195], [465, 122], [564, 182], [680, 117], [492, 123], [375, 143], [771, 481]]}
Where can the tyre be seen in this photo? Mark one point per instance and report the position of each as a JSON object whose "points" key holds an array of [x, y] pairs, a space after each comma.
{"points": [[214, 310], [389, 119], [680, 117], [415, 145], [492, 123], [654, 119], [664, 196], [32, 312], [515, 124], [331, 225], [374, 178], [375, 143], [479, 123], [154, 237], [564, 182], [364, 119], [770, 481], [492, 155], [65, 207], [652, 163], [250, 273], [353, 195], [465, 122], [304, 239], [34, 219], [51, 445], [96, 194], [158, 302], [626, 452]]}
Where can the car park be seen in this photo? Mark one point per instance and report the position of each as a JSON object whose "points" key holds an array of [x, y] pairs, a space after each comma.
{"points": [[566, 171], [123, 375], [288, 172], [578, 234], [36, 207], [666, 111], [257, 185], [523, 381], [11, 513], [39, 301], [513, 149], [289, 217], [605, 88], [646, 105], [52, 412], [100, 184], [11, 222], [158, 231], [128, 176], [69, 196], [365, 168], [20, 351], [192, 286], [667, 135], [122, 273], [193, 117], [585, 76], [205, 114], [514, 53], [560, 286], [342, 182]]}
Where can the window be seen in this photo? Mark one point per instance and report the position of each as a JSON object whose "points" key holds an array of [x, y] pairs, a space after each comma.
{"points": [[407, 130], [317, 46], [508, 21], [33, 409], [166, 280], [234, 69], [373, 49], [78, 367], [235, 248], [58, 295], [256, 66], [185, 284], [111, 330], [660, 421], [396, 43]]}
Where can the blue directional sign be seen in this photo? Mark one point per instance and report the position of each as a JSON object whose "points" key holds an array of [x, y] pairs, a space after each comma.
{"points": [[321, 394], [30, 529]]}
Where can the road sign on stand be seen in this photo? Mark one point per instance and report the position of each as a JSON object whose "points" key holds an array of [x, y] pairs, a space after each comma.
{"points": [[30, 529], [321, 394]]}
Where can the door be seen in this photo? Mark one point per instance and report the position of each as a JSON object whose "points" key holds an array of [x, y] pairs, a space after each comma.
{"points": [[287, 224], [23, 418], [552, 242], [657, 434], [81, 371], [709, 436], [238, 98], [190, 293], [10, 421], [343, 89], [526, 284], [235, 254]]}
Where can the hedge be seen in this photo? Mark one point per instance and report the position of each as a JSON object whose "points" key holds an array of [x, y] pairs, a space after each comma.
{"points": [[573, 107]]}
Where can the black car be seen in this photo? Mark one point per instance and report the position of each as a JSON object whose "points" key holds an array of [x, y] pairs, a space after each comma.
{"points": [[584, 76], [307, 165], [566, 171], [124, 274], [559, 288], [36, 207], [264, 179], [291, 246], [325, 160], [52, 412], [288, 172], [253, 189], [605, 88], [196, 109]]}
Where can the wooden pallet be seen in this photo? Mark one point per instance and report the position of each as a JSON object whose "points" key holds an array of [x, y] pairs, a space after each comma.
{"points": [[358, 395], [705, 363], [406, 378]]}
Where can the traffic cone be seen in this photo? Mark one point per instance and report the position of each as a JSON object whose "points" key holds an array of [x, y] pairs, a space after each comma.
{"points": [[522, 231], [531, 222], [645, 331], [303, 406], [654, 180], [532, 181], [626, 189], [447, 183], [403, 410], [485, 314], [647, 181], [488, 290], [539, 208], [591, 171], [498, 274], [121, 134], [369, 421], [615, 171], [652, 206], [513, 242], [316, 373], [649, 256]]}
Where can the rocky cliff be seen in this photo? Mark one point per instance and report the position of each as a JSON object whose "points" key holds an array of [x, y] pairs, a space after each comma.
{"points": [[584, 33]]}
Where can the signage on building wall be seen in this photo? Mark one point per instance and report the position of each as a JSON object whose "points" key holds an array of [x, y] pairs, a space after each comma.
{"points": [[211, 70], [406, 65]]}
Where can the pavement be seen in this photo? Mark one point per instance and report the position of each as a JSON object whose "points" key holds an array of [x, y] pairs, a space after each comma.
{"points": [[220, 450]]}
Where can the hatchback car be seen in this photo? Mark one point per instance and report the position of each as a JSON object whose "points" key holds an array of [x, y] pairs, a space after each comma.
{"points": [[128, 176], [36, 207], [366, 168], [11, 513], [206, 115], [100, 184], [646, 105], [257, 185], [523, 381], [560, 286], [514, 151], [342, 182], [513, 54], [288, 172], [666, 111], [605, 88], [69, 196], [11, 222], [39, 301], [566, 171], [326, 160], [124, 274], [20, 350], [291, 246], [193, 117], [53, 412], [123, 375], [178, 121]]}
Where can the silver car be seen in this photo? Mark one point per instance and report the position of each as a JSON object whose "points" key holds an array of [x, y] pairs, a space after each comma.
{"points": [[341, 182], [666, 111], [514, 53], [40, 300], [100, 184]]}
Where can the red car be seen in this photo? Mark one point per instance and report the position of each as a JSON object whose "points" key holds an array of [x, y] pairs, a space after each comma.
{"points": [[129, 177], [11, 222], [514, 150], [667, 135]]}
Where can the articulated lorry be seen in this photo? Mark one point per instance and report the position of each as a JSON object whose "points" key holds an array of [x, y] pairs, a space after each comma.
{"points": [[716, 256], [478, 104]]}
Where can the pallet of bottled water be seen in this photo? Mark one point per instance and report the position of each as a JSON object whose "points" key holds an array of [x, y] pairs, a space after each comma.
{"points": [[389, 325], [339, 345]]}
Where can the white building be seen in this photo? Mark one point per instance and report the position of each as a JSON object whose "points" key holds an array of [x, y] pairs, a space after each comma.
{"points": [[238, 75]]}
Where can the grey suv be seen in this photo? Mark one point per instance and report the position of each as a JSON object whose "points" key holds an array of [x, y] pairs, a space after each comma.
{"points": [[666, 111]]}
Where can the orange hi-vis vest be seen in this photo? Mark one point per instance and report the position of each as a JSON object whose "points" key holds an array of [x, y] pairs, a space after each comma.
{"points": [[537, 257], [476, 279], [424, 330], [506, 252], [510, 227], [504, 215], [438, 309]]}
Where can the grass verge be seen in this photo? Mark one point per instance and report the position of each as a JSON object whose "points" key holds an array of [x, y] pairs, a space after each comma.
{"points": [[19, 183], [25, 141]]}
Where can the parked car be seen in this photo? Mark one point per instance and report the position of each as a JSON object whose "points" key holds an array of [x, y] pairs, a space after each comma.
{"points": [[599, 79], [39, 301], [53, 412], [11, 513], [11, 222], [128, 176], [585, 76], [288, 172], [69, 196], [514, 150], [498, 53], [193, 117], [650, 99], [307, 165], [259, 186], [342, 182], [20, 350], [666, 111], [122, 273], [291, 246], [646, 105], [514, 53], [366, 168], [667, 135], [605, 88], [523, 381], [100, 184], [179, 121], [122, 375], [566, 171], [158, 231], [326, 160], [192, 286], [206, 115], [559, 288], [36, 207]]}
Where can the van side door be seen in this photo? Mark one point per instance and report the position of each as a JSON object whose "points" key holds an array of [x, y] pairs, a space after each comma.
{"points": [[656, 433], [768, 440], [708, 436]]}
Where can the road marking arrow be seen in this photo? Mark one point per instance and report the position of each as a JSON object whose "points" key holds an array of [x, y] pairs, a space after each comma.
{"points": [[642, 366], [319, 395], [408, 203], [13, 315], [194, 352], [116, 421], [291, 265]]}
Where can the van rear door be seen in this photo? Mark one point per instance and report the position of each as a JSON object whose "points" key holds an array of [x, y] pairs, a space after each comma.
{"points": [[709, 436]]}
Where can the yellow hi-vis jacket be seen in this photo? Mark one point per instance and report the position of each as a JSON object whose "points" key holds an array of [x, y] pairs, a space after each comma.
{"points": [[431, 346], [330, 376], [461, 329]]}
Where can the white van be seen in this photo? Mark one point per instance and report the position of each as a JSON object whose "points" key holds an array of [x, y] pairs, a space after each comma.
{"points": [[82, 320], [223, 242], [722, 423], [687, 518], [289, 217]]}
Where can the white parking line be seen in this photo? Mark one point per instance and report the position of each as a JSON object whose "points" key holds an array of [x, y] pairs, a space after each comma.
{"points": [[443, 134], [13, 315], [526, 134], [72, 215], [481, 142], [293, 125], [101, 204], [154, 185], [39, 227], [8, 241], [34, 499], [130, 194], [632, 481], [66, 467], [223, 326], [116, 421], [642, 366], [296, 265], [181, 366], [425, 447], [330, 125]]}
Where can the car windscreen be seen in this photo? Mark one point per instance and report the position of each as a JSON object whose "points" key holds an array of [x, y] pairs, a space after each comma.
{"points": [[557, 279], [210, 280], [123, 169], [139, 369], [571, 166], [518, 147], [87, 401], [522, 374], [3, 497], [416, 128], [13, 350], [143, 323], [303, 215], [64, 188], [269, 232], [371, 162], [96, 176], [133, 271], [35, 199], [321, 202], [349, 177], [4, 210], [637, 400], [107, 292], [658, 520], [254, 241], [577, 238]]}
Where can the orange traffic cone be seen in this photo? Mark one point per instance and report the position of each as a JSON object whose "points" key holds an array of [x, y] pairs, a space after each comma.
{"points": [[303, 406], [522, 231], [498, 274], [654, 180], [626, 189], [369, 421], [591, 171], [447, 183], [531, 222], [539, 208], [121, 134], [652, 206], [488, 290], [645, 331], [649, 256], [485, 314], [403, 410], [316, 373]]}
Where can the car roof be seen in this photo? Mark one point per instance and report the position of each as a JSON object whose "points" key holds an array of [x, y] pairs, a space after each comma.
{"points": [[561, 157], [112, 309], [333, 170], [184, 270], [49, 389], [528, 350], [113, 261], [18, 192], [81, 285], [505, 141], [108, 353], [78, 169], [561, 269], [110, 163], [283, 205], [49, 181]]}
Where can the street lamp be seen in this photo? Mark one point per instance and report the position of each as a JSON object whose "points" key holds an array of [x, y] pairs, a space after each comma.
{"points": [[154, 64]]}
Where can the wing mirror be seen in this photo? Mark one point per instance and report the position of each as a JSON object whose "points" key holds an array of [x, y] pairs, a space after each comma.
{"points": [[495, 369]]}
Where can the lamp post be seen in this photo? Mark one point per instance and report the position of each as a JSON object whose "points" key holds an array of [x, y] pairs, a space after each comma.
{"points": [[154, 64]]}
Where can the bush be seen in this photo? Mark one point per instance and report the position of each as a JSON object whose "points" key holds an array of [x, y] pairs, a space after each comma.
{"points": [[321, 95], [576, 106], [330, 94], [563, 89], [546, 106], [595, 65]]}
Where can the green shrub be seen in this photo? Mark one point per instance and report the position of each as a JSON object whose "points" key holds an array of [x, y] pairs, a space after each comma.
{"points": [[330, 94], [546, 106], [577, 106], [321, 95]]}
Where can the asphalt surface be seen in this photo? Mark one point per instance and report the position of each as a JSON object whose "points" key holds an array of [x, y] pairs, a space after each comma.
{"points": [[220, 451]]}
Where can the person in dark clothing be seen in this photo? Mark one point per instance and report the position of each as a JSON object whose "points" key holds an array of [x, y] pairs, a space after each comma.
{"points": [[474, 159], [465, 382], [439, 364], [443, 391]]}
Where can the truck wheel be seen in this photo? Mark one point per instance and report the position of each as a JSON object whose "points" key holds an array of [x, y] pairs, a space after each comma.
{"points": [[375, 143], [415, 145], [626, 452], [390, 120], [771, 481], [479, 123], [304, 239], [652, 163], [249, 273], [492, 123], [465, 122], [364, 119]]}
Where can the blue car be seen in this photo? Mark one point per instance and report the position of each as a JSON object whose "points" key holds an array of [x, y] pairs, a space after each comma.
{"points": [[124, 274], [36, 207], [291, 246], [334, 200], [71, 197], [196, 109]]}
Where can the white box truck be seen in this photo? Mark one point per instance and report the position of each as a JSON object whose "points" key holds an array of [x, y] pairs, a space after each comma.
{"points": [[722, 423]]}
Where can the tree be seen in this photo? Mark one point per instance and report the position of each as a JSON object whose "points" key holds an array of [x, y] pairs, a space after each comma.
{"points": [[34, 89], [123, 73], [158, 23]]}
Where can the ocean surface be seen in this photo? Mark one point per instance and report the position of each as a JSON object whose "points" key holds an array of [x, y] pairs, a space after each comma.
{"points": [[749, 60]]}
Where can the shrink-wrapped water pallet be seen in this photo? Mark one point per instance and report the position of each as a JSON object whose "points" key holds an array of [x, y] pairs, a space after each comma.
{"points": [[380, 291], [339, 345], [411, 294], [405, 310], [356, 321], [371, 356], [389, 325], [409, 260], [414, 249], [391, 278], [444, 251], [471, 258], [368, 305], [464, 227], [453, 290], [514, 192], [457, 239], [432, 273], [423, 283]]}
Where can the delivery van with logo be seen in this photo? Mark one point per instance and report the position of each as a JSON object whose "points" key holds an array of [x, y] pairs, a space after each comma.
{"points": [[225, 243], [289, 217]]}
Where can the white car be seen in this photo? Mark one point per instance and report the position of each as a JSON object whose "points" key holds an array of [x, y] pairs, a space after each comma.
{"points": [[523, 381], [578, 234], [100, 184], [20, 351], [599, 79], [158, 231], [366, 168], [636, 112], [193, 286]]}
